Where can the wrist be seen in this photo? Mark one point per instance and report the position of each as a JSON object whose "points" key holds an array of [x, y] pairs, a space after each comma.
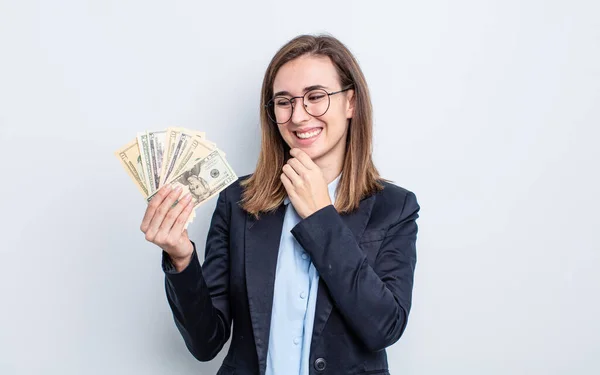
{"points": [[181, 263]]}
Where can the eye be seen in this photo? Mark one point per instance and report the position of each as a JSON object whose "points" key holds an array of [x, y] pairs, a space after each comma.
{"points": [[316, 96], [282, 102]]}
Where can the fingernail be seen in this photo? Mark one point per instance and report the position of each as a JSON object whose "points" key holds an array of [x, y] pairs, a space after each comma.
{"points": [[178, 188], [187, 197]]}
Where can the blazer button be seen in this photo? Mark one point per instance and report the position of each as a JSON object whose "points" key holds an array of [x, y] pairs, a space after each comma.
{"points": [[320, 364]]}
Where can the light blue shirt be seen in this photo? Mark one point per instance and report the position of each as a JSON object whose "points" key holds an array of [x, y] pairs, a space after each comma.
{"points": [[294, 300]]}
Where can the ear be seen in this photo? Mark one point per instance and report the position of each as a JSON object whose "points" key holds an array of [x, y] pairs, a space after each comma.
{"points": [[350, 103]]}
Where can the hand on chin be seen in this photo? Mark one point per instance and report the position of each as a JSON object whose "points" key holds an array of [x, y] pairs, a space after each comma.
{"points": [[304, 183]]}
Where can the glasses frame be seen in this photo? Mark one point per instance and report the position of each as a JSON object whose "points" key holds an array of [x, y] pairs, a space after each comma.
{"points": [[293, 99]]}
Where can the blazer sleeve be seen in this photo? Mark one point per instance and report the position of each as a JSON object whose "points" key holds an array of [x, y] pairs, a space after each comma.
{"points": [[375, 301], [199, 296]]}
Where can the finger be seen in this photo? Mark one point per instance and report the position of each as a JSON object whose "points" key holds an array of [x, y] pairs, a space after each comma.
{"points": [[300, 169], [167, 223], [154, 203], [178, 227], [161, 212], [287, 184], [292, 175], [303, 158]]}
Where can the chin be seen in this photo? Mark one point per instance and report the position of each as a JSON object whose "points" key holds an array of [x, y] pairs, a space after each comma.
{"points": [[314, 150], [314, 154]]}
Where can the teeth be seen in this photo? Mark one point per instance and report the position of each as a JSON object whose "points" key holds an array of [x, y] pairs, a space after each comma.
{"points": [[308, 134]]}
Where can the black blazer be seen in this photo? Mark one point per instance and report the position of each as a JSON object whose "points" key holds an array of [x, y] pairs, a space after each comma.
{"points": [[366, 261]]}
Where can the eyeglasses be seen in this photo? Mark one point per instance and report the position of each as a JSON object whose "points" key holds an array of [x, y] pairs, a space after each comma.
{"points": [[316, 103]]}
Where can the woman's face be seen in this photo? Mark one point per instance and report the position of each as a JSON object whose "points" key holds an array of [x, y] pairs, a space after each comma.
{"points": [[322, 138]]}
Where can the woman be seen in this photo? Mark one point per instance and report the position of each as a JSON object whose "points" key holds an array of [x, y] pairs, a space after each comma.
{"points": [[313, 287]]}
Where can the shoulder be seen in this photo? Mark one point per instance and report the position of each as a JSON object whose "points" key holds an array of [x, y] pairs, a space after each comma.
{"points": [[394, 195], [394, 202]]}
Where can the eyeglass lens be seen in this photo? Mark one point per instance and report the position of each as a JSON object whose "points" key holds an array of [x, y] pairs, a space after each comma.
{"points": [[316, 103]]}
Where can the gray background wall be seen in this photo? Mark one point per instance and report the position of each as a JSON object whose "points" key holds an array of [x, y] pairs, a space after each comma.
{"points": [[487, 110]]}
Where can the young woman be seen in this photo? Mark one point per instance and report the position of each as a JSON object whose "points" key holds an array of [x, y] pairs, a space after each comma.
{"points": [[311, 257]]}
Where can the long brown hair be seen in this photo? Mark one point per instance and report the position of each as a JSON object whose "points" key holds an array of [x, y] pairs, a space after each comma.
{"points": [[264, 191]]}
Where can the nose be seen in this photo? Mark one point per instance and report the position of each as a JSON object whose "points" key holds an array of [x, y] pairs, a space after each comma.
{"points": [[300, 114]]}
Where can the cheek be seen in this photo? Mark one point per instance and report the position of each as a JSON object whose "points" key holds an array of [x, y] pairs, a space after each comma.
{"points": [[285, 133], [336, 119], [336, 125]]}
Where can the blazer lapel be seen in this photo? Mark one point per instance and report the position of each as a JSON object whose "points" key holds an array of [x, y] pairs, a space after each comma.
{"points": [[262, 247], [357, 222]]}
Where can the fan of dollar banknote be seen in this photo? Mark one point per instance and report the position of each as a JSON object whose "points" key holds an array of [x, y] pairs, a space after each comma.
{"points": [[180, 157]]}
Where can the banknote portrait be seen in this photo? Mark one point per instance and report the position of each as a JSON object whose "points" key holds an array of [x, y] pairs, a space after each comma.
{"points": [[199, 188]]}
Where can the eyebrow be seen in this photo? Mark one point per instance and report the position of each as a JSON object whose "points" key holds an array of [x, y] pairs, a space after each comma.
{"points": [[309, 88]]}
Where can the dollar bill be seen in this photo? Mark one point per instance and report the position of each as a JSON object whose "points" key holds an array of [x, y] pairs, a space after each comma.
{"points": [[189, 131], [179, 147], [144, 148], [172, 135], [156, 144], [178, 156], [182, 144], [196, 150], [205, 179], [129, 156], [192, 134]]}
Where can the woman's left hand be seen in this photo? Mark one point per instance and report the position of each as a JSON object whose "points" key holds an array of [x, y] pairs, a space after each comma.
{"points": [[305, 184]]}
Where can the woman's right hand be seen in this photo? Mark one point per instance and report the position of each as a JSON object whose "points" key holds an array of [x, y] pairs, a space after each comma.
{"points": [[164, 222]]}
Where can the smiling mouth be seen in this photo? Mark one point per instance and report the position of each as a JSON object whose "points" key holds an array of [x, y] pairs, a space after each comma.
{"points": [[308, 134]]}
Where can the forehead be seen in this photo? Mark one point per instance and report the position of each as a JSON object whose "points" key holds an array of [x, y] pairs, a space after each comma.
{"points": [[306, 71]]}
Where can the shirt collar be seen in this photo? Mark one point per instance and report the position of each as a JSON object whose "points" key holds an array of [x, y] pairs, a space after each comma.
{"points": [[331, 187]]}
